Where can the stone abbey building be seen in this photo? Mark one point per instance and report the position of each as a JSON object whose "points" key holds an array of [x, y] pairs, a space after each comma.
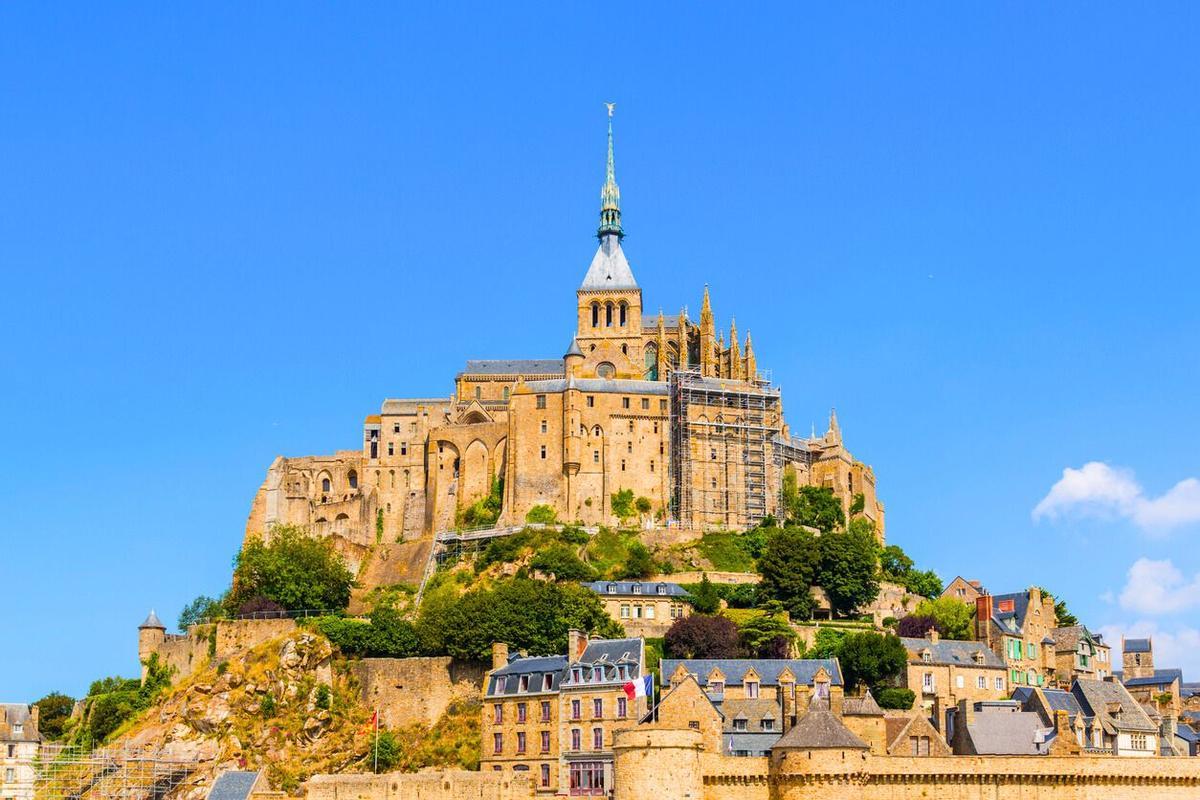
{"points": [[663, 405]]}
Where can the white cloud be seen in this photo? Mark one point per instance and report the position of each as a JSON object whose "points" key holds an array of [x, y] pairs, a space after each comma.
{"points": [[1158, 587], [1177, 648], [1099, 490]]}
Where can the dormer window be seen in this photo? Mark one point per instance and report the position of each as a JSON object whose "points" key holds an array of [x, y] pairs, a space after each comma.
{"points": [[501, 683], [927, 656], [597, 674], [612, 588], [577, 675], [739, 724], [716, 687], [546, 682], [978, 656], [524, 683], [636, 588], [661, 589], [768, 724], [752, 690]]}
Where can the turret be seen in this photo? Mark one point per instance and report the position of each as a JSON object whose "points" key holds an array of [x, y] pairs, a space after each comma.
{"points": [[707, 337], [572, 359], [151, 635]]}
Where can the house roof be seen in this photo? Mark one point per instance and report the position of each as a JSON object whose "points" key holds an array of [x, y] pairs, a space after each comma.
{"points": [[1185, 732], [13, 714], [1012, 733], [1056, 700], [573, 350], [1068, 638], [1013, 621], [864, 706], [233, 785], [900, 725], [600, 386], [753, 712], [1187, 690], [609, 268], [554, 666], [1161, 677], [152, 621], [1137, 645], [514, 366], [818, 729], [754, 743], [952, 651], [606, 653], [647, 588], [612, 651], [1096, 696], [767, 669], [409, 406]]}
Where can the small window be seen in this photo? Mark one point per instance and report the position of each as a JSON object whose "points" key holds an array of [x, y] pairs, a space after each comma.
{"points": [[396, 428], [981, 682], [325, 486], [624, 402], [605, 370], [576, 738], [544, 428], [497, 743], [739, 724], [597, 708], [716, 687], [629, 447], [591, 401], [768, 724], [595, 456], [478, 392], [524, 687], [543, 452], [545, 767], [391, 449], [497, 713], [596, 431], [521, 711], [506, 393], [636, 588], [597, 738], [521, 741], [656, 427], [752, 690], [547, 679], [646, 403], [404, 448], [622, 465], [652, 465], [959, 681], [622, 707], [541, 401], [612, 588], [662, 406], [999, 684], [576, 709], [631, 426]]}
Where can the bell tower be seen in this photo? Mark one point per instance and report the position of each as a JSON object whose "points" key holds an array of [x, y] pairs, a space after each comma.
{"points": [[609, 301]]}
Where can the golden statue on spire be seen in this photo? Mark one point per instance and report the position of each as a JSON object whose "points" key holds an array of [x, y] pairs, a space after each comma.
{"points": [[610, 107]]}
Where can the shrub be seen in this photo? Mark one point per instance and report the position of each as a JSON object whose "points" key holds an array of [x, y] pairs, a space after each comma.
{"points": [[387, 635], [562, 561], [914, 627], [202, 609], [622, 504], [294, 570], [703, 636], [893, 697], [543, 514], [384, 752], [826, 643], [953, 616], [485, 511], [643, 505], [638, 564], [324, 695], [266, 706], [705, 599]]}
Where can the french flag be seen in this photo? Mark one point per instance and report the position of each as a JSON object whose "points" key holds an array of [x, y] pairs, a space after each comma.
{"points": [[640, 687]]}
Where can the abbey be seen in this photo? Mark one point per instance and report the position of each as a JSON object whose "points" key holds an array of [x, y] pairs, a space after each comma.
{"points": [[671, 408]]}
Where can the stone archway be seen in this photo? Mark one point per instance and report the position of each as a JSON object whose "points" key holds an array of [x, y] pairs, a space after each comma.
{"points": [[475, 479]]}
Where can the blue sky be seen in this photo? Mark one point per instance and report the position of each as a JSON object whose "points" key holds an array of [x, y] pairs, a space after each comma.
{"points": [[227, 232]]}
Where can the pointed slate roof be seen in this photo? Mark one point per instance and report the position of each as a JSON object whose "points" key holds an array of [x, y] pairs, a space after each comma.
{"points": [[152, 621], [864, 706], [574, 348], [819, 730], [609, 268]]}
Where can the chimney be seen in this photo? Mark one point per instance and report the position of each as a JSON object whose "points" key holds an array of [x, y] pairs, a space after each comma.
{"points": [[499, 655], [33, 717], [576, 643], [932, 635], [983, 616]]}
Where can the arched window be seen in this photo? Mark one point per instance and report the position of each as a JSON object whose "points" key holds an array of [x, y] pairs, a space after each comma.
{"points": [[651, 352], [478, 392], [392, 478], [595, 315], [624, 307], [506, 393], [352, 479], [624, 347], [325, 485], [608, 315], [605, 369], [596, 431]]}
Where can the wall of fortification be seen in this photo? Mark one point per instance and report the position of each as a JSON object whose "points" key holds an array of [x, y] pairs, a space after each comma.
{"points": [[409, 690], [450, 785], [849, 775], [190, 651]]}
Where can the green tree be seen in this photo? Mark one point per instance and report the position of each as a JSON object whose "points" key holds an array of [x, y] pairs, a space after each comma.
{"points": [[871, 659], [384, 752], [817, 507], [643, 505], [826, 643], [789, 568], [622, 504], [543, 514], [526, 614], [485, 511], [894, 697], [767, 636], [562, 561], [858, 503], [848, 570], [953, 617], [705, 599], [202, 609], [925, 583], [894, 563], [638, 562], [294, 570], [53, 712]]}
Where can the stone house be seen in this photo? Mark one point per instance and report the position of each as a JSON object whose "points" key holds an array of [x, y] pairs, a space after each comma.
{"points": [[1079, 653], [1004, 728], [552, 718], [758, 699], [645, 608], [1017, 627], [20, 741], [1146, 683], [962, 589], [1117, 722], [942, 672]]}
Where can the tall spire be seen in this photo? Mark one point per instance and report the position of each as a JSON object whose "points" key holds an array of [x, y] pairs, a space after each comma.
{"points": [[707, 337], [660, 366], [735, 352], [751, 361], [610, 193]]}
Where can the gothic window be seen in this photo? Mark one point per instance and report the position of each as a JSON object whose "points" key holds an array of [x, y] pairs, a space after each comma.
{"points": [[624, 347], [651, 373], [595, 315], [325, 486], [608, 315], [392, 478], [352, 479], [506, 393], [623, 312], [478, 392]]}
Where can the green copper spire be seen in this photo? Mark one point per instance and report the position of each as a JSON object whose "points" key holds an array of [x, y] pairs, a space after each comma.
{"points": [[610, 194]]}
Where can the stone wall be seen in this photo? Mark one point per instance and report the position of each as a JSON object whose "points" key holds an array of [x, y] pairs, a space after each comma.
{"points": [[411, 690], [449, 785], [192, 650]]}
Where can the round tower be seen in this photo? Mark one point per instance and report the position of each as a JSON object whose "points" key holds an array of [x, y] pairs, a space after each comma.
{"points": [[151, 635], [657, 763]]}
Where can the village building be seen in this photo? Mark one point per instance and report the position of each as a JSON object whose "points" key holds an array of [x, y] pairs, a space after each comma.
{"points": [[552, 718], [1017, 627], [1079, 653], [645, 608], [1147, 683], [942, 672], [962, 589], [20, 741], [1119, 724]]}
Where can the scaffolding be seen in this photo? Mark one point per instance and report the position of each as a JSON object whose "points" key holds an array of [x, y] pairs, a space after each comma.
{"points": [[723, 450], [116, 773]]}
